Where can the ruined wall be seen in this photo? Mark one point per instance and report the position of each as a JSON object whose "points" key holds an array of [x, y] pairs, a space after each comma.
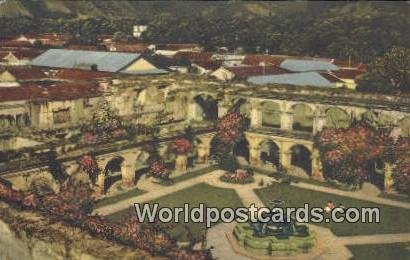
{"points": [[29, 236]]}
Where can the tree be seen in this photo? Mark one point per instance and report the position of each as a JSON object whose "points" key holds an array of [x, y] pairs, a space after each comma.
{"points": [[230, 130], [389, 73], [119, 37], [55, 167], [346, 153], [401, 171]]}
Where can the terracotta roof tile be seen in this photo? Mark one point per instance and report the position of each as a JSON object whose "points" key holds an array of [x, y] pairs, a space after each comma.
{"points": [[129, 47], [247, 71], [26, 73], [21, 53], [78, 74], [256, 60], [50, 91], [177, 46], [85, 47], [15, 44], [194, 57]]}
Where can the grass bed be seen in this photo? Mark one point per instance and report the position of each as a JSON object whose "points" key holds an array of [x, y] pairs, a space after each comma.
{"points": [[399, 251], [201, 193], [119, 197], [392, 219]]}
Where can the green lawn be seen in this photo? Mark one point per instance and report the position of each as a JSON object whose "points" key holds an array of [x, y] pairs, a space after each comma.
{"points": [[201, 193], [398, 251], [119, 197], [194, 173], [392, 219]]}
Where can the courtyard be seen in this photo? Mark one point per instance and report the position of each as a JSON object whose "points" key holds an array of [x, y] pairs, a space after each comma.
{"points": [[391, 236]]}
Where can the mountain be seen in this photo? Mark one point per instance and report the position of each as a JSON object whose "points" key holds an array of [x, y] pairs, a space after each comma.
{"points": [[142, 9]]}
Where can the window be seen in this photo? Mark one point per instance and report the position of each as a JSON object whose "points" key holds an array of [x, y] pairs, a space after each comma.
{"points": [[61, 116]]}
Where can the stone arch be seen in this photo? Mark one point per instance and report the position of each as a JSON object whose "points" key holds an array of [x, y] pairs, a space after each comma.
{"points": [[241, 105], [370, 117], [301, 158], [207, 107], [404, 125], [271, 114], [112, 171], [303, 115], [213, 150], [337, 118], [269, 153], [42, 185]]}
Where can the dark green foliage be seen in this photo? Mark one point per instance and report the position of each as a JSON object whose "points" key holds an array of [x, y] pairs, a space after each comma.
{"points": [[361, 30], [388, 73], [55, 167]]}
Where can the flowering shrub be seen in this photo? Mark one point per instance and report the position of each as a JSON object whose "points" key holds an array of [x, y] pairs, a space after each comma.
{"points": [[181, 146], [346, 152], [239, 176], [230, 128], [401, 171], [159, 170], [64, 206], [89, 165]]}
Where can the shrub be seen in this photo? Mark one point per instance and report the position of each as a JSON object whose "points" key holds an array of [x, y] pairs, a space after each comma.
{"points": [[238, 177], [181, 146], [159, 170]]}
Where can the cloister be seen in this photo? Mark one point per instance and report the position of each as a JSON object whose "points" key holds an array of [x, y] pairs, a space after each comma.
{"points": [[283, 124]]}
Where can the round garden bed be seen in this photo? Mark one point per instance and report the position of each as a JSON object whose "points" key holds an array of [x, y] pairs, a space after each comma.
{"points": [[238, 177]]}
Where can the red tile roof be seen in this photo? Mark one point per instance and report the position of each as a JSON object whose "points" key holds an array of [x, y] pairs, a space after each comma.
{"points": [[257, 59], [15, 44], [78, 74], [21, 53], [129, 47], [247, 71], [194, 56], [84, 47], [209, 65], [26, 73], [54, 91], [349, 73], [177, 46]]}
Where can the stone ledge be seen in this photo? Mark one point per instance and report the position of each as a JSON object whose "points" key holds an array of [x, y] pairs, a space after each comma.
{"points": [[31, 236]]}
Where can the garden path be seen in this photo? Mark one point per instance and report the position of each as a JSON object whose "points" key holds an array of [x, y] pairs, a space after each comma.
{"points": [[353, 194], [331, 246]]}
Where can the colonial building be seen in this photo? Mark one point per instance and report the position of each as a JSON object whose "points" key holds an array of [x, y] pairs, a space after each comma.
{"points": [[115, 62], [46, 105], [226, 73]]}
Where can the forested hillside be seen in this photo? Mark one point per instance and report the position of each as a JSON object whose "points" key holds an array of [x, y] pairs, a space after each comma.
{"points": [[361, 30]]}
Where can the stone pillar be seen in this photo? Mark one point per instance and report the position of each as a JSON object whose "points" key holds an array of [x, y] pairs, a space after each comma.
{"points": [[222, 110], [319, 120], [181, 162], [256, 114], [388, 178], [99, 187], [128, 173], [317, 170], [286, 120], [194, 112], [254, 155], [286, 159], [285, 155], [203, 153]]}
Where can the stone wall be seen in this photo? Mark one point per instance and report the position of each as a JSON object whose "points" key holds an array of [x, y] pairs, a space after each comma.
{"points": [[30, 236]]}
